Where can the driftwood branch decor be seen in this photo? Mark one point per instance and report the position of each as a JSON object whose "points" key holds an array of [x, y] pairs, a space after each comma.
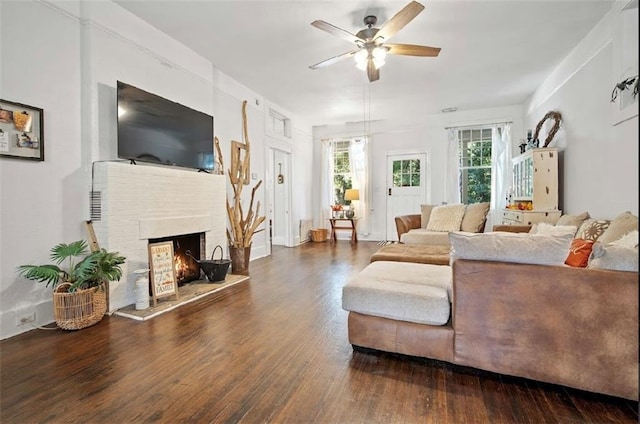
{"points": [[219, 163], [243, 226]]}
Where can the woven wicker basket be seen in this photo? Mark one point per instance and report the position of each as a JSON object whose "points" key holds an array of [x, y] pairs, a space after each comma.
{"points": [[319, 235], [79, 309]]}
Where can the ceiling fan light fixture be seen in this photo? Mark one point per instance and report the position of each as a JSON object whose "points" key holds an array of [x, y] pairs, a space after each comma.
{"points": [[379, 54], [361, 59], [371, 51]]}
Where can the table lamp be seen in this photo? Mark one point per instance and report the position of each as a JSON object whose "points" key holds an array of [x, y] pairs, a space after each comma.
{"points": [[351, 194]]}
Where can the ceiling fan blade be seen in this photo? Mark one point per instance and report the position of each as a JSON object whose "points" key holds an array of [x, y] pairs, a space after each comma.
{"points": [[399, 20], [372, 72], [332, 29], [333, 60], [412, 50]]}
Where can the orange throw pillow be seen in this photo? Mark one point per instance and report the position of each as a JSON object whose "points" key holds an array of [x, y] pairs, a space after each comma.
{"points": [[579, 253]]}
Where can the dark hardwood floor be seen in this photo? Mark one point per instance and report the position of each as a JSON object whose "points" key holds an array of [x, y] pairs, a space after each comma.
{"points": [[270, 350]]}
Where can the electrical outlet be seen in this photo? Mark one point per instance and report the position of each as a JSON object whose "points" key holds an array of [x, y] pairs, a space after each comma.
{"points": [[25, 318]]}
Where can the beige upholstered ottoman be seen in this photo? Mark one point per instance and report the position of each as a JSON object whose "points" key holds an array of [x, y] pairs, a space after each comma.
{"points": [[419, 293], [416, 253]]}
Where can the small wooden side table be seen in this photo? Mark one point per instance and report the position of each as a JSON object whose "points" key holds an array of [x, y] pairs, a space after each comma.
{"points": [[351, 226]]}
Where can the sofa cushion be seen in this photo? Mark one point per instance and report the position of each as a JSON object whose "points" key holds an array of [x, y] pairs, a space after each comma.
{"points": [[416, 253], [425, 211], [617, 258], [579, 253], [524, 248], [620, 226], [592, 229], [552, 230], [474, 217], [446, 218], [424, 236], [410, 292], [575, 220]]}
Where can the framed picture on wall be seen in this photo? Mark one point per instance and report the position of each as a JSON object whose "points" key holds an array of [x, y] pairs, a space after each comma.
{"points": [[21, 131]]}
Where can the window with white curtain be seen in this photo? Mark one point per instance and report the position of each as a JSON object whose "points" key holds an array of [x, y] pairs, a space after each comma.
{"points": [[345, 165], [475, 147], [342, 178]]}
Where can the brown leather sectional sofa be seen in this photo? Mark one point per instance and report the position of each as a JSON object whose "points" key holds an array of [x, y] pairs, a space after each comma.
{"points": [[571, 326], [577, 327]]}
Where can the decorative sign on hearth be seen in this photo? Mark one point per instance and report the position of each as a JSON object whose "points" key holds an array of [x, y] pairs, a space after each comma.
{"points": [[163, 275]]}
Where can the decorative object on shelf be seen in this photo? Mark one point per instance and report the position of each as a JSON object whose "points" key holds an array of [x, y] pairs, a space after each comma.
{"points": [[523, 146], [351, 194], [215, 269], [243, 226], [336, 210], [624, 85], [79, 290], [531, 142], [21, 131], [557, 117]]}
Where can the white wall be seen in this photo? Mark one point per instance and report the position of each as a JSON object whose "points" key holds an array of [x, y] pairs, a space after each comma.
{"points": [[82, 49], [40, 200], [600, 160]]}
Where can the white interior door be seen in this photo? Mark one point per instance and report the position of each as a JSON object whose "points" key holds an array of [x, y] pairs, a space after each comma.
{"points": [[279, 203], [406, 187]]}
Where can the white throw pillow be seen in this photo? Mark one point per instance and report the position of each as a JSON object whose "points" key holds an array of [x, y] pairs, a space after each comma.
{"points": [[446, 218], [554, 230], [524, 248], [629, 240], [612, 257]]}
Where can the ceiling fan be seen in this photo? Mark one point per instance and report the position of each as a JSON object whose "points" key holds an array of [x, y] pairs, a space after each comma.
{"points": [[371, 42]]}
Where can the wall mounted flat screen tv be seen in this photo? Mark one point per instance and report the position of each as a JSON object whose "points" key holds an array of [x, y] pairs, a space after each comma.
{"points": [[154, 129]]}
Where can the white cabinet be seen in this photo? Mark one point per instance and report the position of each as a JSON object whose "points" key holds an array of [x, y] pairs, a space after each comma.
{"points": [[535, 187], [515, 217]]}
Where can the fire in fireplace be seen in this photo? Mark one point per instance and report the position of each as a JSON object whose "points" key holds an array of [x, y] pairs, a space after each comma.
{"points": [[186, 269]]}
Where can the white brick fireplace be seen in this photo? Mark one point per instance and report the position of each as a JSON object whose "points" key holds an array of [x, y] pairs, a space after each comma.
{"points": [[140, 202]]}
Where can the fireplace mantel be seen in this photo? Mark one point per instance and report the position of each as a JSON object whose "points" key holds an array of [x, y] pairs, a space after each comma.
{"points": [[141, 202]]}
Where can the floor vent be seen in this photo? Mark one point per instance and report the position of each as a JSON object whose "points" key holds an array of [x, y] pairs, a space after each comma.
{"points": [[305, 230], [385, 242], [95, 205]]}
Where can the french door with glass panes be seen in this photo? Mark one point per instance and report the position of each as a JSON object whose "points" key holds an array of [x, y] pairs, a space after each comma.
{"points": [[406, 187]]}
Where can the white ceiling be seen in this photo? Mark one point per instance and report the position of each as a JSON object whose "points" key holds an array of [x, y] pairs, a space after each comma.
{"points": [[494, 53]]}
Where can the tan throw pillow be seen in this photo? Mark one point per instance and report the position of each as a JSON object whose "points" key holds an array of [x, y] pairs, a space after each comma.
{"points": [[425, 210], [620, 226], [616, 258], [521, 248], [446, 218], [575, 220], [592, 229], [474, 217]]}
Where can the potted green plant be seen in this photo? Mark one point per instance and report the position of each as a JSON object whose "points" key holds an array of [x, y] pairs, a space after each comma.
{"points": [[78, 279]]}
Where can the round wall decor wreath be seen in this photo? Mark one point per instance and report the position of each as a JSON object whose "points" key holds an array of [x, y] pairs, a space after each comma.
{"points": [[557, 117]]}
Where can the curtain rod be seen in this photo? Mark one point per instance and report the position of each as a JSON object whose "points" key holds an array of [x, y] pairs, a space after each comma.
{"points": [[478, 125]]}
